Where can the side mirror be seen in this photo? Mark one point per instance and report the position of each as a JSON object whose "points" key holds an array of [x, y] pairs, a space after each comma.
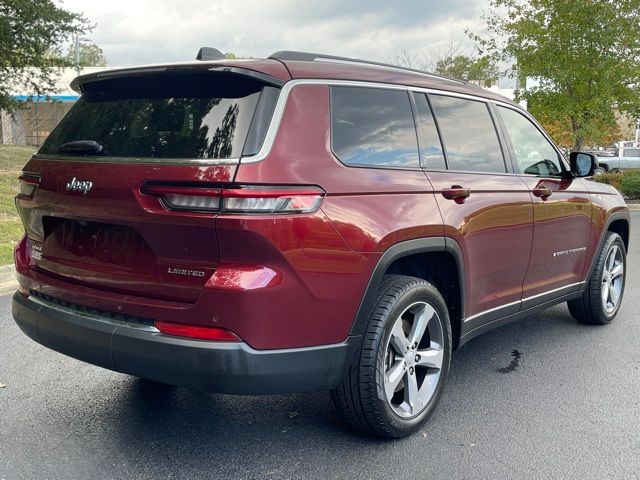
{"points": [[582, 164]]}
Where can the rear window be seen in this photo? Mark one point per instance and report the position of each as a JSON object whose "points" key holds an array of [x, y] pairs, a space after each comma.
{"points": [[373, 127], [631, 152], [194, 115]]}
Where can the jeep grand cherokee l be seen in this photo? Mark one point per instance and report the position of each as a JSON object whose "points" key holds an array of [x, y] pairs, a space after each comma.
{"points": [[304, 222]]}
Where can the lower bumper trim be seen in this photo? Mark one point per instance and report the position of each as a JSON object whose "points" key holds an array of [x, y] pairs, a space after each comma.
{"points": [[223, 367]]}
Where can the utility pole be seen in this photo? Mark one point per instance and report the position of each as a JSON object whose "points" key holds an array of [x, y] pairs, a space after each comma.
{"points": [[76, 41], [77, 47], [638, 132]]}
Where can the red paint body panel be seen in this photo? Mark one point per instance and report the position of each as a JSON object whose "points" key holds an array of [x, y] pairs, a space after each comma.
{"points": [[494, 228], [126, 247], [562, 223]]}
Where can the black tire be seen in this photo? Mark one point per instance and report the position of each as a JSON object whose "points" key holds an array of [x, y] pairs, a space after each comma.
{"points": [[360, 397], [589, 307], [599, 171]]}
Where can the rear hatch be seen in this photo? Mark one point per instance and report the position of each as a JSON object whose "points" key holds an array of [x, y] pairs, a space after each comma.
{"points": [[87, 218]]}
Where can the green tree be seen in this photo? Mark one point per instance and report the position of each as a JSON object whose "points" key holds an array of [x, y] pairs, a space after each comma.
{"points": [[32, 33], [583, 58], [91, 55], [464, 67]]}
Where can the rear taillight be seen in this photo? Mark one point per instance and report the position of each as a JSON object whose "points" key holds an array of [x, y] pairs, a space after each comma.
{"points": [[193, 199], [197, 332], [238, 198], [250, 199], [28, 184]]}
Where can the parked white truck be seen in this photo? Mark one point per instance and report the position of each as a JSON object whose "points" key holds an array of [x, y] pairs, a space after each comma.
{"points": [[628, 157]]}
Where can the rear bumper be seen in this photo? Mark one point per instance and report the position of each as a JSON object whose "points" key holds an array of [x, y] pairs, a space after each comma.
{"points": [[212, 366]]}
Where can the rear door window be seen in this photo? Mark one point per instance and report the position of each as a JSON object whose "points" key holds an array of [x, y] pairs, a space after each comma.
{"points": [[468, 134], [431, 154], [200, 115], [373, 127]]}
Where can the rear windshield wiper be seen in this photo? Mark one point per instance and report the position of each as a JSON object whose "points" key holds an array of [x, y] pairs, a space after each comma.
{"points": [[81, 147]]}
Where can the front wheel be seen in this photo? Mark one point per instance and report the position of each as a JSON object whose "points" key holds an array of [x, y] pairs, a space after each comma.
{"points": [[601, 299], [395, 382]]}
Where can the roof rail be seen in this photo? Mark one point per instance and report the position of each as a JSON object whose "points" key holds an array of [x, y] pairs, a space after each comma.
{"points": [[209, 53], [312, 57]]}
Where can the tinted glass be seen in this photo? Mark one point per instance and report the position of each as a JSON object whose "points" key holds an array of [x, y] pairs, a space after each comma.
{"points": [[431, 153], [166, 116], [469, 136], [373, 127], [534, 154], [631, 152]]}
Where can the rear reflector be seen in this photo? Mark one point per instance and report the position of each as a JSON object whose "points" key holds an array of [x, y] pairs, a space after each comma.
{"points": [[238, 198], [197, 332]]}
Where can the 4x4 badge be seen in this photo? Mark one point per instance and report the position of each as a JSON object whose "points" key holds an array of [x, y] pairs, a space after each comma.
{"points": [[76, 185]]}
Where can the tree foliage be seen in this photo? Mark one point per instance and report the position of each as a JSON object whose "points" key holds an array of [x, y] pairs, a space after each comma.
{"points": [[32, 33], [91, 55], [480, 69], [583, 58]]}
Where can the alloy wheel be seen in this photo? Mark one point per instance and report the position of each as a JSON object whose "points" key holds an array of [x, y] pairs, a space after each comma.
{"points": [[612, 279], [413, 361]]}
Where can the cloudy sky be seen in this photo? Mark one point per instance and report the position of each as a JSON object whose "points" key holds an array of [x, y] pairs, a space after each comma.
{"points": [[135, 32]]}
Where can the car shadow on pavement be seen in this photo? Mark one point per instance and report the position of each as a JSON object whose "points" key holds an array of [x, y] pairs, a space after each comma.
{"points": [[153, 408]]}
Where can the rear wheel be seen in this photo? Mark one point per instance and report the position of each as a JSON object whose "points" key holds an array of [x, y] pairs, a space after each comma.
{"points": [[395, 382], [601, 299]]}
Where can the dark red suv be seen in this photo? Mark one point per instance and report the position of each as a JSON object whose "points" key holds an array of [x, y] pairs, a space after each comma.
{"points": [[301, 223]]}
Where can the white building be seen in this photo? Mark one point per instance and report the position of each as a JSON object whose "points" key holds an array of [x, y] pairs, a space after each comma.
{"points": [[33, 124]]}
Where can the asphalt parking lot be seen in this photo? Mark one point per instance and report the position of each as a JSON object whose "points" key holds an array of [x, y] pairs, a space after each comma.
{"points": [[566, 406]]}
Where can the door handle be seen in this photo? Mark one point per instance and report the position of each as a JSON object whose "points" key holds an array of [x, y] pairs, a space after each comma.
{"points": [[457, 193], [542, 192]]}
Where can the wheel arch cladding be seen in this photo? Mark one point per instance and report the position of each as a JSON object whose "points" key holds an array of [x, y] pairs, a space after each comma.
{"points": [[437, 260], [621, 227], [618, 222]]}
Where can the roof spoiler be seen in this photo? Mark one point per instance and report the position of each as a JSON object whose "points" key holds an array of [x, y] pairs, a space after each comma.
{"points": [[209, 53]]}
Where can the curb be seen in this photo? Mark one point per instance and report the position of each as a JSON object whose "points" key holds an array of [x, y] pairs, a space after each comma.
{"points": [[633, 206], [8, 283]]}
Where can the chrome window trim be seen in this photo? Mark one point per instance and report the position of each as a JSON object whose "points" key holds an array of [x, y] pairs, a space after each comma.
{"points": [[439, 91], [521, 301], [291, 84]]}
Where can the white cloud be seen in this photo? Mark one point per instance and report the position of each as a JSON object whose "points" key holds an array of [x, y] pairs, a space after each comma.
{"points": [[154, 31]]}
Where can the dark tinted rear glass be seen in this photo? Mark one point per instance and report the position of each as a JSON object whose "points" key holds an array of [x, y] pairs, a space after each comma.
{"points": [[430, 146], [469, 136], [373, 127], [189, 115]]}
